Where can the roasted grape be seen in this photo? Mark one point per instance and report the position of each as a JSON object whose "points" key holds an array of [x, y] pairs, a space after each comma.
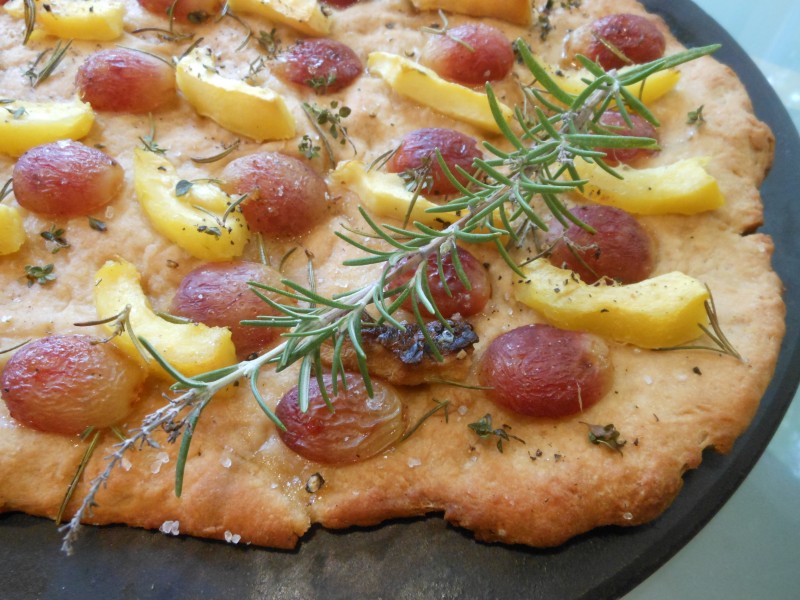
{"points": [[615, 123], [323, 64], [185, 11], [463, 300], [416, 160], [358, 426], [619, 249], [122, 80], [285, 196], [340, 3], [617, 40], [217, 295], [66, 179], [66, 383], [470, 54], [541, 371]]}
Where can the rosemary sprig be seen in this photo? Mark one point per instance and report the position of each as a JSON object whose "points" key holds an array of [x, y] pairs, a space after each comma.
{"points": [[719, 341], [226, 150], [168, 35], [87, 455], [538, 167], [226, 12], [8, 187], [56, 56], [444, 29], [30, 19]]}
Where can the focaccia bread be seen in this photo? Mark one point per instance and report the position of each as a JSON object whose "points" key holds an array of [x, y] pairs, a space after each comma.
{"points": [[241, 481]]}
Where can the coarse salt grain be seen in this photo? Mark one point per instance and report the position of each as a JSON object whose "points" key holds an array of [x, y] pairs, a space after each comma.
{"points": [[462, 410], [170, 527], [414, 462], [648, 380], [226, 462], [232, 538], [125, 463], [161, 458]]}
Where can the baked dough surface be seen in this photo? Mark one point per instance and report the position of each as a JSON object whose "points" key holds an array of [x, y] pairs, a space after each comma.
{"points": [[240, 478]]}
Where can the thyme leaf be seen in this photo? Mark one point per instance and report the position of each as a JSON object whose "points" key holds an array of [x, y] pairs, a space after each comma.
{"points": [[696, 117], [484, 429], [40, 274], [269, 42], [328, 124], [98, 225], [149, 140], [308, 148], [606, 435], [56, 240]]}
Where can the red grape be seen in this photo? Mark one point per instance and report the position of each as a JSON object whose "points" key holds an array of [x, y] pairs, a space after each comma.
{"points": [[66, 178], [340, 3], [66, 383], [541, 371], [285, 196], [186, 11], [357, 428], [615, 123], [636, 38], [417, 155], [320, 63], [470, 54], [619, 249], [217, 295], [463, 301], [122, 80]]}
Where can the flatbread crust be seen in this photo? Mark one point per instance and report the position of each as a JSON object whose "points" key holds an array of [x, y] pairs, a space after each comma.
{"points": [[240, 479]]}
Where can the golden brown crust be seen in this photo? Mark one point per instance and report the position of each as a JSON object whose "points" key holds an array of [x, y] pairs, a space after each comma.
{"points": [[240, 479]]}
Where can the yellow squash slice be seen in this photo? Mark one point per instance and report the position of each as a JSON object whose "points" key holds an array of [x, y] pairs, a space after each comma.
{"points": [[660, 312], [12, 231], [574, 81], [256, 112], [190, 348], [98, 20], [386, 195], [684, 188], [423, 85], [185, 220], [305, 16], [24, 124], [515, 11]]}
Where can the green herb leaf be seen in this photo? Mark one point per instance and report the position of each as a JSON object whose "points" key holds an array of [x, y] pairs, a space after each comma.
{"points": [[484, 429], [40, 274], [98, 225], [607, 435]]}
